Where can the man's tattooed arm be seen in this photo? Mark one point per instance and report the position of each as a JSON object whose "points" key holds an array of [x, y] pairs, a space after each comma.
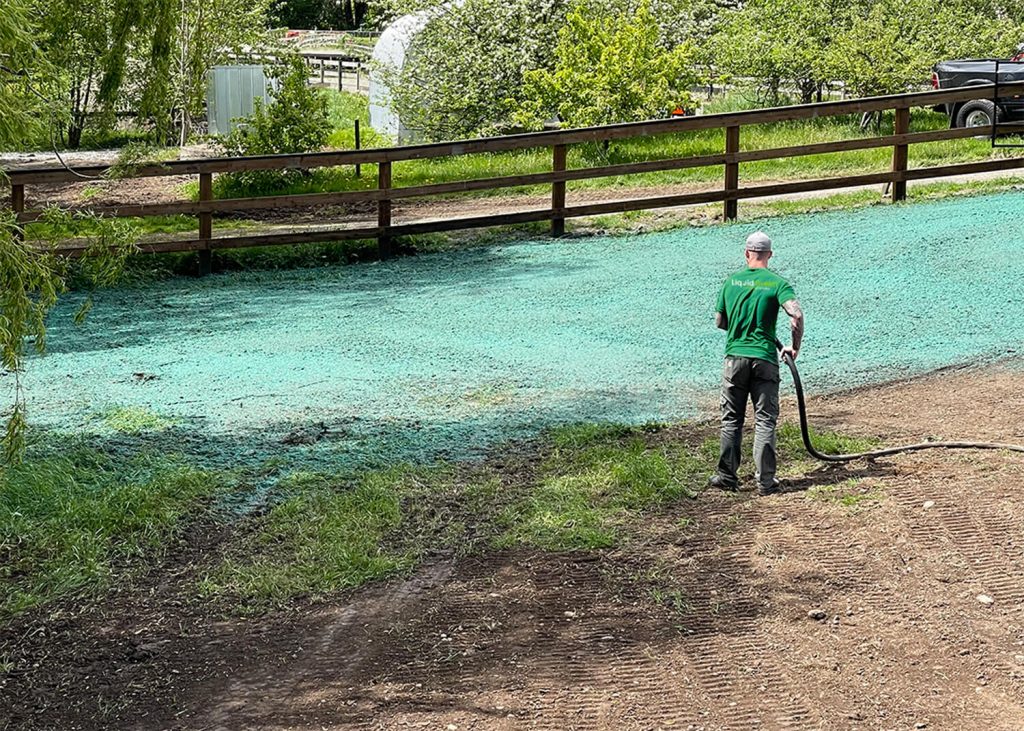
{"points": [[796, 322]]}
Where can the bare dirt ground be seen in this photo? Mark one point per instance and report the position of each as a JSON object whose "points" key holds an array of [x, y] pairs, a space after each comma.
{"points": [[699, 621]]}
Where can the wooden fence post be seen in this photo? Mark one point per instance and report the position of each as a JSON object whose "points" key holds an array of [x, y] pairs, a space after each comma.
{"points": [[900, 153], [323, 70], [359, 144], [558, 192], [205, 223], [340, 64], [732, 172], [384, 210], [18, 206]]}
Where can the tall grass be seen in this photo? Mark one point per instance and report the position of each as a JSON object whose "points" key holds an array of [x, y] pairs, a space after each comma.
{"points": [[70, 518]]}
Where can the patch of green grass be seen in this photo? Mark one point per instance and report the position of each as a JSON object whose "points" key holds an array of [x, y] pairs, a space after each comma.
{"points": [[851, 200], [586, 434], [790, 441], [156, 267], [345, 108], [89, 192], [674, 599], [46, 231], [69, 519], [793, 459], [729, 525], [92, 139], [595, 482], [294, 257], [323, 538], [847, 494], [946, 189], [328, 534], [135, 420], [562, 514]]}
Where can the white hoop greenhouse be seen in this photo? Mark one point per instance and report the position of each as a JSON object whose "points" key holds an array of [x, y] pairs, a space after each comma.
{"points": [[390, 52]]}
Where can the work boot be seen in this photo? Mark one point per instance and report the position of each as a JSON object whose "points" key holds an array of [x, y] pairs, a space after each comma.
{"points": [[775, 488], [723, 484]]}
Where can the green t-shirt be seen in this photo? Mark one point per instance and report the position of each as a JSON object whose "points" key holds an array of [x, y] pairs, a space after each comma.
{"points": [[750, 300]]}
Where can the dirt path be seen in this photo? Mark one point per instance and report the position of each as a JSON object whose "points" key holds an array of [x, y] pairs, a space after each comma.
{"points": [[699, 622]]}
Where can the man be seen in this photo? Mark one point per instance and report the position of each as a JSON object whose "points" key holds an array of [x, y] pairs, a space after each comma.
{"points": [[748, 306]]}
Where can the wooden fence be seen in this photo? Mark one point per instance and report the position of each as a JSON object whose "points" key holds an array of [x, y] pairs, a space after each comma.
{"points": [[338, 64], [731, 157]]}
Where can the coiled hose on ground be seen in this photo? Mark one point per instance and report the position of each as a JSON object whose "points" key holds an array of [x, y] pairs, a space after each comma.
{"points": [[805, 433]]}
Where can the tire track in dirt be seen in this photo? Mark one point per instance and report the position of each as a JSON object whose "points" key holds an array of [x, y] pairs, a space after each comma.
{"points": [[981, 528], [568, 654], [830, 556], [989, 542], [724, 640], [256, 696]]}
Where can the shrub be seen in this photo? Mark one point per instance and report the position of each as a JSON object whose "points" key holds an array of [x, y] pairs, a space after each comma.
{"points": [[609, 67], [297, 120]]}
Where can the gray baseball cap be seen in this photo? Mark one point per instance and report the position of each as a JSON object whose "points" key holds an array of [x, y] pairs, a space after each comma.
{"points": [[759, 241]]}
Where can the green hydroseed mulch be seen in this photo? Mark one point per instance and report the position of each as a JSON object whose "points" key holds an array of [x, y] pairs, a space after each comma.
{"points": [[446, 354]]}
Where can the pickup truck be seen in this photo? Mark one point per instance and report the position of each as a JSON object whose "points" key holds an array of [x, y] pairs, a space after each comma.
{"points": [[970, 72]]}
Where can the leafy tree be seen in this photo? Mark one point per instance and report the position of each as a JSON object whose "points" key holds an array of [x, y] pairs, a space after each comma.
{"points": [[781, 42], [320, 14], [207, 32], [873, 46], [141, 34], [679, 21], [463, 73], [31, 281], [20, 64], [610, 68], [890, 46], [90, 46], [28, 287], [152, 55], [296, 120]]}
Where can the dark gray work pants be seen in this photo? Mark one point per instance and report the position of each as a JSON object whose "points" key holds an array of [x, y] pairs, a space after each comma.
{"points": [[758, 380]]}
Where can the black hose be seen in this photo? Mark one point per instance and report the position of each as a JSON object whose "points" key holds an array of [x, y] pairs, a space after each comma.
{"points": [[805, 432]]}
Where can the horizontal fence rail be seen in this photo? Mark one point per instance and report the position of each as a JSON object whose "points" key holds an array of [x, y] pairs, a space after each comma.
{"points": [[731, 158]]}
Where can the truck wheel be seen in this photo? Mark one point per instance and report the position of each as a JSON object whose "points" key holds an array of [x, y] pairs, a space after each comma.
{"points": [[978, 113]]}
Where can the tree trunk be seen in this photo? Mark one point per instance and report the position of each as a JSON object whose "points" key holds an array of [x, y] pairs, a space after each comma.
{"points": [[75, 130], [806, 91]]}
